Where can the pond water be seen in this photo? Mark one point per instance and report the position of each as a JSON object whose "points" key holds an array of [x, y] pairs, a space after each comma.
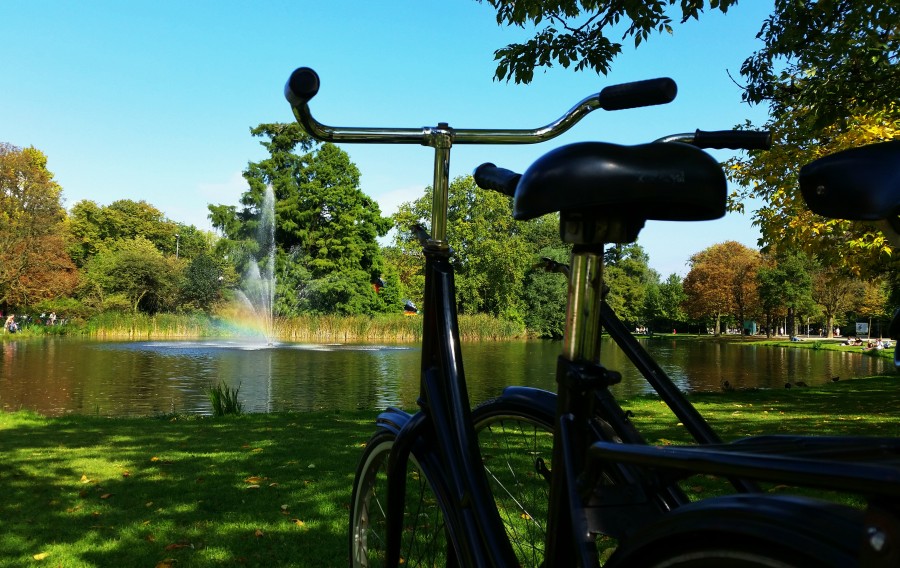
{"points": [[59, 376]]}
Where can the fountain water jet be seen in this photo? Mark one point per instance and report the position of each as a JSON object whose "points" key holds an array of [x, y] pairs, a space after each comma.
{"points": [[257, 292]]}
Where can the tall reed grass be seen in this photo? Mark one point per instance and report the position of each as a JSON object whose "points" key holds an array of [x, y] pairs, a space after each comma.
{"points": [[224, 400], [117, 325], [327, 328]]}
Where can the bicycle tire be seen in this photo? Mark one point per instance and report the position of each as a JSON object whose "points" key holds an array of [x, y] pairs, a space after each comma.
{"points": [[424, 540]]}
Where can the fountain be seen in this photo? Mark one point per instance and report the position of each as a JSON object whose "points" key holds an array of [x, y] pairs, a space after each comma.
{"points": [[257, 293]]}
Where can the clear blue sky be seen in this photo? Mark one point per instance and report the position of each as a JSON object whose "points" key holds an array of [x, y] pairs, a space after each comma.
{"points": [[154, 100]]}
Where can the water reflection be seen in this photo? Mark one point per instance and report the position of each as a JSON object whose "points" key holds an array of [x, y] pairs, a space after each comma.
{"points": [[57, 376]]}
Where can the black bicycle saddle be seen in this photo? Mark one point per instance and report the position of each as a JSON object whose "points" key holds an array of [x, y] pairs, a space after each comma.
{"points": [[861, 184], [664, 182]]}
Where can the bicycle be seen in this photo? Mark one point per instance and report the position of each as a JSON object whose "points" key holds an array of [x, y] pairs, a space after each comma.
{"points": [[423, 481]]}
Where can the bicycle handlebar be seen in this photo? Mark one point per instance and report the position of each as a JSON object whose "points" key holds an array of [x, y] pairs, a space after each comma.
{"points": [[731, 139], [303, 85]]}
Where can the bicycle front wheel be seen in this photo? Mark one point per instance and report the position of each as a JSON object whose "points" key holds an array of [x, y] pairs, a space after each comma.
{"points": [[424, 539]]}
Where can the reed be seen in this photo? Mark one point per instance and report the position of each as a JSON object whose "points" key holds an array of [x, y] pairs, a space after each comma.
{"points": [[117, 325], [224, 399], [324, 328]]}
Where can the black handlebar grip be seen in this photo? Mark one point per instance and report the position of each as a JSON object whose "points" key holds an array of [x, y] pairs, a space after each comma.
{"points": [[734, 139], [302, 85], [638, 94], [489, 176]]}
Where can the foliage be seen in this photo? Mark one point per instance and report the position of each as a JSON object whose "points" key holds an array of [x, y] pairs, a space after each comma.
{"points": [[576, 32], [628, 276], [136, 271], [784, 220], [34, 265], [826, 56], [96, 228], [722, 282], [545, 296], [204, 279], [325, 227], [664, 302], [491, 252], [836, 292], [224, 400], [784, 284]]}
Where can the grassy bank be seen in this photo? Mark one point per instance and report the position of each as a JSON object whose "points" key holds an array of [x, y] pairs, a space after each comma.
{"points": [[273, 489]]}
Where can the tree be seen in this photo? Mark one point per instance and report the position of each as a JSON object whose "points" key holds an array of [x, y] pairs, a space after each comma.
{"points": [[827, 56], [784, 219], [823, 55], [836, 292], [722, 282], [203, 282], [628, 274], [827, 70], [544, 294], [671, 300], [135, 271], [491, 250], [323, 222], [34, 265], [575, 32], [98, 227]]}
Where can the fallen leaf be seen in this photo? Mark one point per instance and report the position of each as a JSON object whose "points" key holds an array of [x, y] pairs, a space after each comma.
{"points": [[259, 533], [254, 479], [284, 507], [106, 495], [167, 563], [41, 555], [126, 473], [254, 486], [178, 546], [154, 459], [84, 479], [298, 522]]}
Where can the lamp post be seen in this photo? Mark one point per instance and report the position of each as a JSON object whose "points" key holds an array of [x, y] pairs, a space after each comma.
{"points": [[177, 243]]}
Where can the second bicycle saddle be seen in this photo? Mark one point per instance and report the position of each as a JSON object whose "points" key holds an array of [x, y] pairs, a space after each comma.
{"points": [[858, 184], [664, 182]]}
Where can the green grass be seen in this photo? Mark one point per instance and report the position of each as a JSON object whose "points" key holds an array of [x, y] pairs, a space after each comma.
{"points": [[273, 489]]}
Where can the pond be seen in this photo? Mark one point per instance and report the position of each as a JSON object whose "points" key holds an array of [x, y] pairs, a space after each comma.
{"points": [[58, 376]]}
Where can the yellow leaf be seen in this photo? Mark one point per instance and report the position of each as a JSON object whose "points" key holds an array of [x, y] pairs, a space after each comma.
{"points": [[298, 522], [167, 563], [154, 459], [254, 486], [259, 533], [84, 479], [41, 555], [106, 496]]}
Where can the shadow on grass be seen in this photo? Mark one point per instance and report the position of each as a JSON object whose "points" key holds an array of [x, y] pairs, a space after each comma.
{"points": [[257, 490]]}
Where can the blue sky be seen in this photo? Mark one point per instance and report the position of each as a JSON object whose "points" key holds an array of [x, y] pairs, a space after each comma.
{"points": [[154, 100]]}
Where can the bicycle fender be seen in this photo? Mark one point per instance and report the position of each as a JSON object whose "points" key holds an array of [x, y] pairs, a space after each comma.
{"points": [[393, 420], [830, 535], [533, 398]]}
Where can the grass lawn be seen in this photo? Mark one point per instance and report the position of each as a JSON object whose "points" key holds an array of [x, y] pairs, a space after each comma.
{"points": [[273, 489]]}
